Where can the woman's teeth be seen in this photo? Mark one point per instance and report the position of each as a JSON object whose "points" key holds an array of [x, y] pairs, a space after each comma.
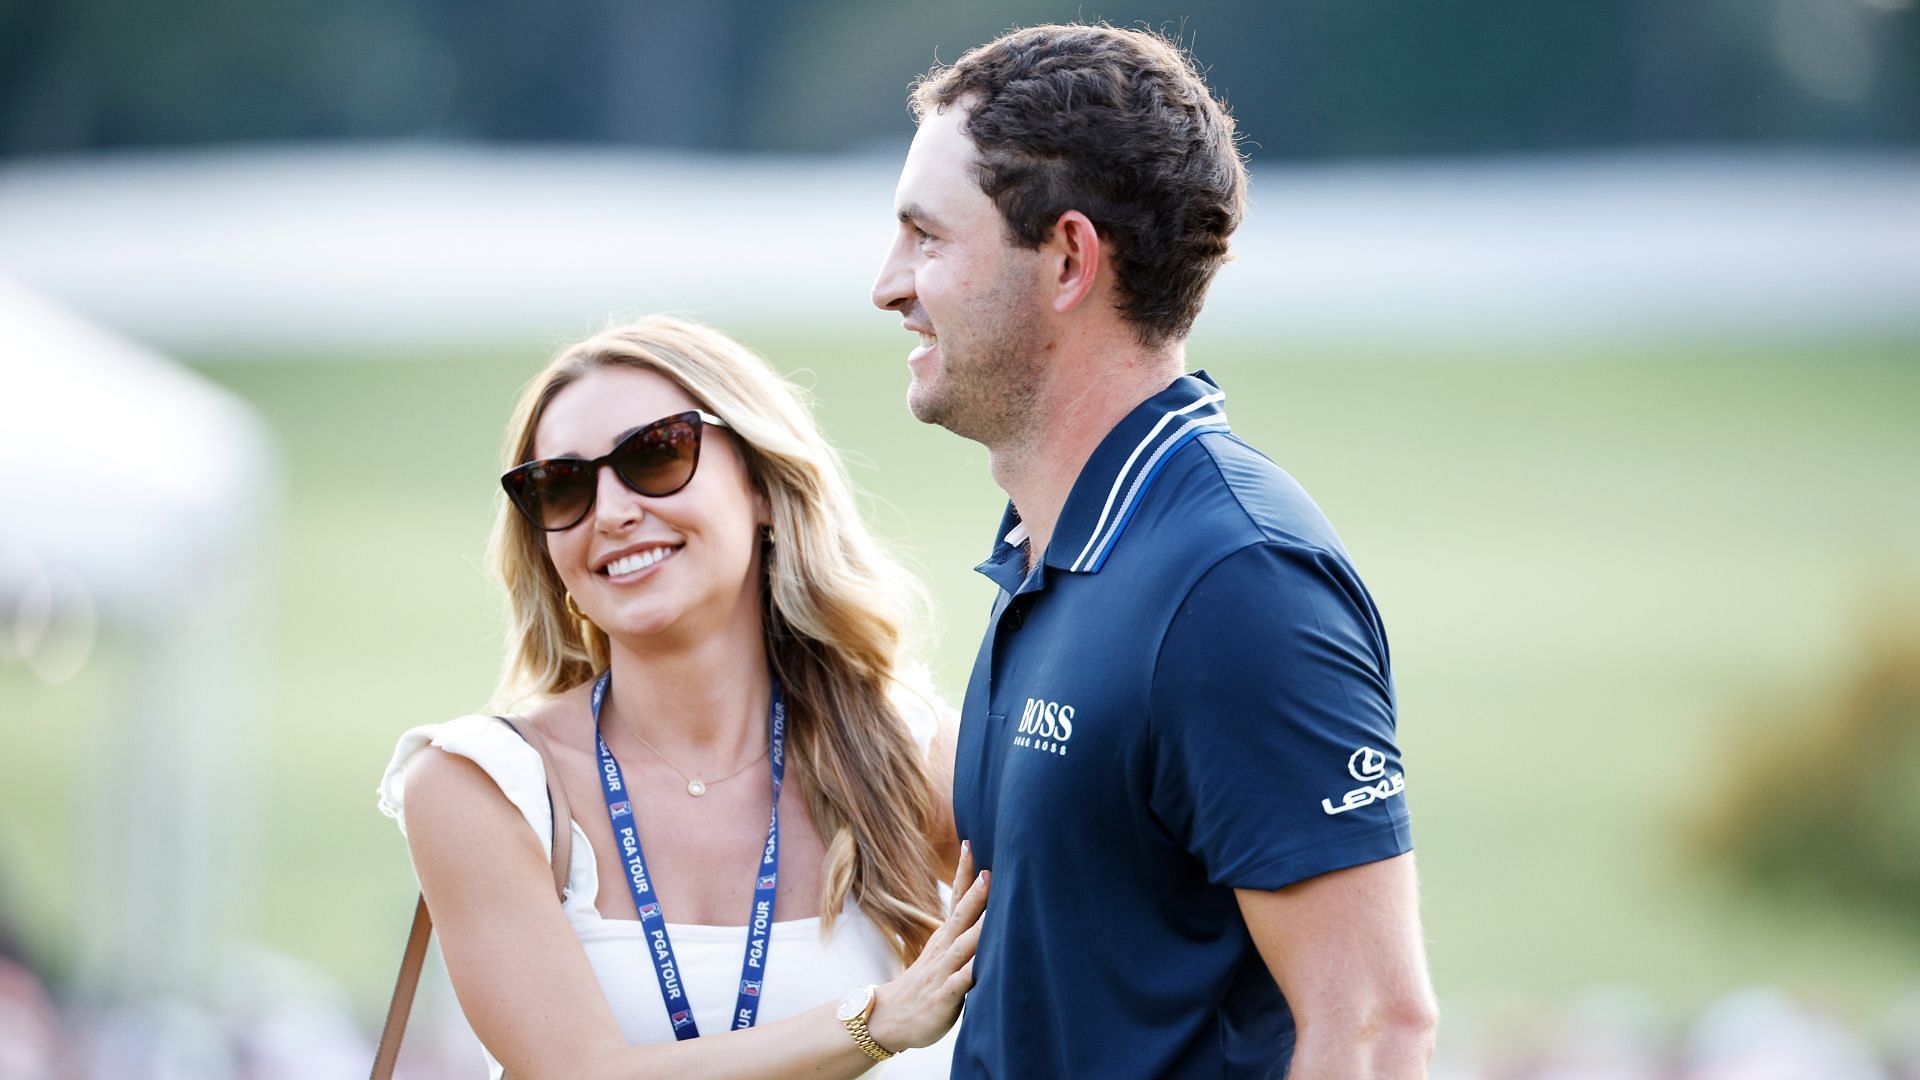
{"points": [[639, 560]]}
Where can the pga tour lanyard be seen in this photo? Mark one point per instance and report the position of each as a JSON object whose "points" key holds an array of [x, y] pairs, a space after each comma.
{"points": [[653, 922]]}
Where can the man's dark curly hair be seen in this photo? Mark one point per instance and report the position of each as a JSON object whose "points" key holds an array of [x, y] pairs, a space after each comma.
{"points": [[1116, 124]]}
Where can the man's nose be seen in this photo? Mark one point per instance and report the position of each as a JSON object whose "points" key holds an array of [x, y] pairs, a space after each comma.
{"points": [[893, 289]]}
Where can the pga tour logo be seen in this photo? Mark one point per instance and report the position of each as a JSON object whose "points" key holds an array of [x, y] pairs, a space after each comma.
{"points": [[621, 809], [766, 882], [750, 988], [648, 911], [1369, 766], [682, 1018]]}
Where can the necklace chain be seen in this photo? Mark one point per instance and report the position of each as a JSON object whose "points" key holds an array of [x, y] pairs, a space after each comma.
{"points": [[697, 788]]}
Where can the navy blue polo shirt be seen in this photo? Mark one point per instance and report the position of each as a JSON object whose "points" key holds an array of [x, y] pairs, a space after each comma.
{"points": [[1190, 694]]}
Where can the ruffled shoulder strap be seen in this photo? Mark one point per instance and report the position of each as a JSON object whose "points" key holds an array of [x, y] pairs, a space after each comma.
{"points": [[505, 757]]}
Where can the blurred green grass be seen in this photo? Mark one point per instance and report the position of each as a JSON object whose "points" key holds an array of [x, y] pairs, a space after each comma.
{"points": [[1588, 560]]}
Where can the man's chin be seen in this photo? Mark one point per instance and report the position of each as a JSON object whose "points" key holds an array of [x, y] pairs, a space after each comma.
{"points": [[926, 403], [929, 408]]}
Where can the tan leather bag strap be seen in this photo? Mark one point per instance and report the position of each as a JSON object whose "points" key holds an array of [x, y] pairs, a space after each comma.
{"points": [[415, 957], [562, 813]]}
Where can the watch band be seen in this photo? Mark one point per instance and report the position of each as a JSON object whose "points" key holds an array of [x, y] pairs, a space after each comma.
{"points": [[857, 1027], [853, 1013]]}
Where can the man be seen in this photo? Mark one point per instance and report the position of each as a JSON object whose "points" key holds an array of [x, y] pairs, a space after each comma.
{"points": [[1177, 749]]}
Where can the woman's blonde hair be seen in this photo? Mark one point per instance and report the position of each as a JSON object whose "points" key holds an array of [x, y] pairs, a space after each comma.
{"points": [[834, 606]]}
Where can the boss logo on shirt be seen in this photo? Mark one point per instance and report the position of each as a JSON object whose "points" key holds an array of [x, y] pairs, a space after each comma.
{"points": [[1045, 726], [1369, 766]]}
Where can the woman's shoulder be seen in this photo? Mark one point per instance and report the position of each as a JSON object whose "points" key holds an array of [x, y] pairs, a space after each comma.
{"points": [[483, 744], [475, 740], [563, 720]]}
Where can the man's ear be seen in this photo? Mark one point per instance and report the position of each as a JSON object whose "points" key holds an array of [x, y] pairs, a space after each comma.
{"points": [[1077, 258]]}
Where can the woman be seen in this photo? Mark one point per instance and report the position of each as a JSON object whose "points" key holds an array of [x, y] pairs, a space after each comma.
{"points": [[714, 643]]}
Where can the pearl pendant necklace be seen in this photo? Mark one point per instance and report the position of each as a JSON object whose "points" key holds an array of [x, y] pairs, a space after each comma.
{"points": [[697, 788]]}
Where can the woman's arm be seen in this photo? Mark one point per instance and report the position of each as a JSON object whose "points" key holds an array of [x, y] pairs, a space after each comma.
{"points": [[533, 999]]}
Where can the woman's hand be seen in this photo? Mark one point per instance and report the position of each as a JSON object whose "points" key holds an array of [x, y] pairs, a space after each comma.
{"points": [[919, 1006]]}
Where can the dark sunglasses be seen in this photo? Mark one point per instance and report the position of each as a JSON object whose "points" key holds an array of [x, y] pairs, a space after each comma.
{"points": [[658, 459]]}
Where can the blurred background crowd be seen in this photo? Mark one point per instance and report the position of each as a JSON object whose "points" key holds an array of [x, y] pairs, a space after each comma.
{"points": [[1594, 327]]}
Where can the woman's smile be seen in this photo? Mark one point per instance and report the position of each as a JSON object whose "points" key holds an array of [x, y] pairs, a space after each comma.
{"points": [[633, 565]]}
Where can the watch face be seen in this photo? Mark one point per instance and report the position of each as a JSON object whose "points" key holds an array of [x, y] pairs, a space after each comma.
{"points": [[855, 1003]]}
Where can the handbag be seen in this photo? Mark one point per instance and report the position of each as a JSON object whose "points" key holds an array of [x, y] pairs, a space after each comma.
{"points": [[415, 955]]}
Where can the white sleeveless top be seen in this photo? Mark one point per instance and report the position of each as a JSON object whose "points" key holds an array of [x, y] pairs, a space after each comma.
{"points": [[804, 969]]}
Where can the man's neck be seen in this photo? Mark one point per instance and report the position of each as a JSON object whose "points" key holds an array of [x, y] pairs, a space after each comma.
{"points": [[1085, 397]]}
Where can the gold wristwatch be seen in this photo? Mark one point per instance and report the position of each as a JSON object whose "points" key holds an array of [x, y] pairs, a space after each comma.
{"points": [[854, 1010]]}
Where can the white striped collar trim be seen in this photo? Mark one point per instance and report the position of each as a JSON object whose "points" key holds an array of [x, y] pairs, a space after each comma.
{"points": [[1158, 443]]}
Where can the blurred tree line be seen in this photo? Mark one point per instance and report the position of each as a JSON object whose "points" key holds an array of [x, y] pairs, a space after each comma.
{"points": [[1821, 799], [1307, 78]]}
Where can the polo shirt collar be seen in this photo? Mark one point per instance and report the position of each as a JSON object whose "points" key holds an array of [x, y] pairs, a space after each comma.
{"points": [[1114, 480]]}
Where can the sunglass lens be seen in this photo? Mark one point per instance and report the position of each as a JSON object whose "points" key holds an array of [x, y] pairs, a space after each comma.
{"points": [[656, 460], [555, 493], [659, 460]]}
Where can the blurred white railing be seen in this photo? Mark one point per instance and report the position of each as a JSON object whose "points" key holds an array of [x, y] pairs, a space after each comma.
{"points": [[359, 244]]}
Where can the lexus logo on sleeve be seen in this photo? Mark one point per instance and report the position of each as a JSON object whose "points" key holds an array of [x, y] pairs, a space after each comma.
{"points": [[1369, 766]]}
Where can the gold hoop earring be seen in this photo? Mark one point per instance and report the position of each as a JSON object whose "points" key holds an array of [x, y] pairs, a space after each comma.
{"points": [[573, 609]]}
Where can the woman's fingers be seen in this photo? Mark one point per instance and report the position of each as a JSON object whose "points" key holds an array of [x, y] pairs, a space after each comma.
{"points": [[959, 982], [958, 916], [967, 907], [963, 870], [965, 946], [921, 1004], [969, 939], [959, 952]]}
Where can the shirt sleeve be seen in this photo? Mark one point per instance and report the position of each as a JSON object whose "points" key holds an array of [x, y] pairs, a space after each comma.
{"points": [[1272, 722]]}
